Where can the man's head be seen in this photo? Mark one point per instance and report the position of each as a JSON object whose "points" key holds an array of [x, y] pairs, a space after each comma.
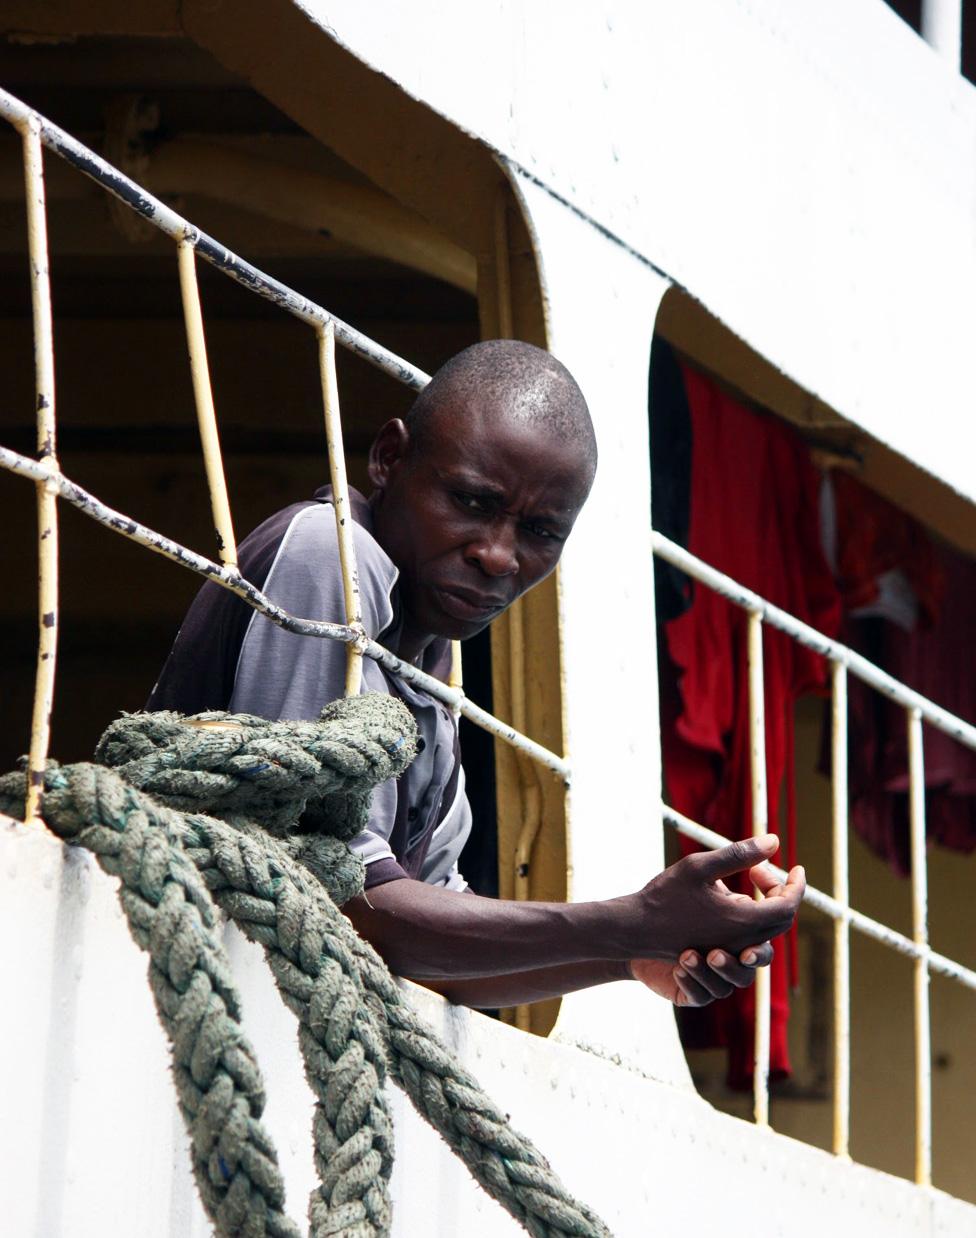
{"points": [[478, 489]]}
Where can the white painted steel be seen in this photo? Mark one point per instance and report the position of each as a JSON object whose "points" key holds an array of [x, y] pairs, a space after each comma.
{"points": [[614, 838], [203, 398], [920, 935], [835, 910], [941, 28], [803, 169], [343, 512], [760, 826], [89, 1115], [840, 846], [955, 727], [47, 510]]}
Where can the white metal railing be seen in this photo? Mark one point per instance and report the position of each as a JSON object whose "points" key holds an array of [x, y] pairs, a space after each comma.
{"points": [[52, 484], [925, 960]]}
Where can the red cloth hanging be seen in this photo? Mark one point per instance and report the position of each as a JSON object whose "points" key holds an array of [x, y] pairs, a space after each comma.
{"points": [[754, 516]]}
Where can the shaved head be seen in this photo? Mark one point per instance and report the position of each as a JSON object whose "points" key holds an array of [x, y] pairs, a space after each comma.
{"points": [[507, 378], [476, 491]]}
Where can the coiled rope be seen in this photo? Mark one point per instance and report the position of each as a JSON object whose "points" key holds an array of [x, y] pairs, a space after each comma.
{"points": [[202, 813]]}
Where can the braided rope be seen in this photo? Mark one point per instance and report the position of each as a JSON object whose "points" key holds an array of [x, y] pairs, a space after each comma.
{"points": [[354, 1024]]}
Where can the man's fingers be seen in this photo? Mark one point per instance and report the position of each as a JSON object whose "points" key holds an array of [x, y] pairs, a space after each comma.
{"points": [[757, 956], [769, 884], [737, 857], [693, 990], [703, 980], [729, 970], [711, 978], [774, 915]]}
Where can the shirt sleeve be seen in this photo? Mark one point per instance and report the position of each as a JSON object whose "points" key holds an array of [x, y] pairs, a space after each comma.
{"points": [[282, 674], [440, 866]]}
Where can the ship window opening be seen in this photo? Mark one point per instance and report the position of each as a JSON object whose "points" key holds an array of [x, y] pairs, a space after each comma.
{"points": [[769, 713]]}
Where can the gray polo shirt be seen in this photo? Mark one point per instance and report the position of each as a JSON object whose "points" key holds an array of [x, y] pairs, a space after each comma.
{"points": [[224, 658]]}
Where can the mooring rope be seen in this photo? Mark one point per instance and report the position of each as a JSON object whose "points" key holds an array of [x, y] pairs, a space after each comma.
{"points": [[202, 813]]}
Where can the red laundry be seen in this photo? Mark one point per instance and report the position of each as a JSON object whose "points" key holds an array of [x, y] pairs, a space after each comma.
{"points": [[754, 516]]}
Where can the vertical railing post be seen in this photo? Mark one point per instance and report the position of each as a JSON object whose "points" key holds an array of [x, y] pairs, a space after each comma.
{"points": [[842, 925], [530, 790], [455, 678], [920, 934], [760, 825], [47, 512], [340, 502], [203, 399]]}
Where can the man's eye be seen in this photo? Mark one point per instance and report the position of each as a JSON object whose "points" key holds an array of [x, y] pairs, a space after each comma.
{"points": [[541, 530], [470, 501]]}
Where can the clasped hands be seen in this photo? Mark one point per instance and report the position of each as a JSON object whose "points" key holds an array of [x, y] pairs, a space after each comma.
{"points": [[689, 968]]}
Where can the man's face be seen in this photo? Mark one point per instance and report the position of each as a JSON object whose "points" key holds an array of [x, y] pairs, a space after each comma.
{"points": [[474, 517]]}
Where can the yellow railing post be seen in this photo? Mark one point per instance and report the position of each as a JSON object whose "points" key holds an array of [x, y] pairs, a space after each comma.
{"points": [[340, 500], [760, 825], [47, 511], [203, 398], [842, 925], [920, 935]]}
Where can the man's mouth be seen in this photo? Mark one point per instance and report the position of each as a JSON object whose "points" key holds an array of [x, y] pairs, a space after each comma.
{"points": [[468, 604]]}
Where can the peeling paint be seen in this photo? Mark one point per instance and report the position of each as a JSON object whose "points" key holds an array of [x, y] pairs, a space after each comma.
{"points": [[49, 619]]}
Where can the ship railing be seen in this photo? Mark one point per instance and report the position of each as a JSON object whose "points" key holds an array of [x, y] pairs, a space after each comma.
{"points": [[918, 709], [38, 133]]}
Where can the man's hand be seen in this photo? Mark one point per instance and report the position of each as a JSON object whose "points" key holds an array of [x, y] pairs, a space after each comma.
{"points": [[689, 906], [698, 980]]}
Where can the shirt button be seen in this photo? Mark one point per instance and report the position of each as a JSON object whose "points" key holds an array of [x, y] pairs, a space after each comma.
{"points": [[421, 743], [412, 814]]}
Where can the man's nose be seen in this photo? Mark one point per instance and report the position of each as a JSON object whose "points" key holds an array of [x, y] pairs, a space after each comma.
{"points": [[496, 551]]}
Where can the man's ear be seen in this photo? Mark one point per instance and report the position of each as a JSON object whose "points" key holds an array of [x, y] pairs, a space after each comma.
{"points": [[388, 451]]}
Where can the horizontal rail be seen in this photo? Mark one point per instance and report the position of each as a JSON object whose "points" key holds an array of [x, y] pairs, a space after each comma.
{"points": [[230, 578], [805, 635], [832, 908], [174, 225]]}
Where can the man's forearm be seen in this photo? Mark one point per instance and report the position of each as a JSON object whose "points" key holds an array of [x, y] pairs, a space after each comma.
{"points": [[429, 933], [520, 988]]}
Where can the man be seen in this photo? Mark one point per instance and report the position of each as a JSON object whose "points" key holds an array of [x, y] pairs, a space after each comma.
{"points": [[474, 495]]}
